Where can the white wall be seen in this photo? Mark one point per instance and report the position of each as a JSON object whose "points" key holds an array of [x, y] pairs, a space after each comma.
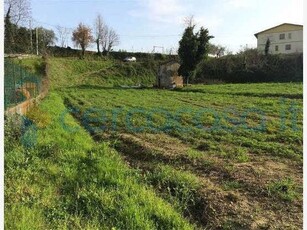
{"points": [[296, 42]]}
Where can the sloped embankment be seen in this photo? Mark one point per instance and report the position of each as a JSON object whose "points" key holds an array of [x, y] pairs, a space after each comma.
{"points": [[69, 72]]}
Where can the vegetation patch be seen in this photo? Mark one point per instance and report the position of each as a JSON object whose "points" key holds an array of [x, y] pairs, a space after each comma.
{"points": [[285, 189], [65, 180], [179, 187], [97, 155]]}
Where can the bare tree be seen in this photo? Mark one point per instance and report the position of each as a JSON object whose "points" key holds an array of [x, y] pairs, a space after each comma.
{"points": [[105, 38], [100, 28], [82, 36], [189, 21], [113, 40], [20, 10], [63, 34]]}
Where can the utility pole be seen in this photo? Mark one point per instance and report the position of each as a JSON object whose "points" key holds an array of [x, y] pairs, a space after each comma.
{"points": [[36, 41], [31, 42]]}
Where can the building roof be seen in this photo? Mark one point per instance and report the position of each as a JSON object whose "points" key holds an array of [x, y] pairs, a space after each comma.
{"points": [[279, 26]]}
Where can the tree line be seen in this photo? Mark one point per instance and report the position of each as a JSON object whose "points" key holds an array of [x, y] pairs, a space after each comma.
{"points": [[104, 36], [18, 38], [194, 47]]}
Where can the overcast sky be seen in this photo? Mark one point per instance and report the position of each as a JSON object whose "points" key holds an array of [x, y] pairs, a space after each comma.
{"points": [[143, 24]]}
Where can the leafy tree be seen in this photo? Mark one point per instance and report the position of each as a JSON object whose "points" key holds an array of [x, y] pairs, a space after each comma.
{"points": [[187, 52], [193, 48], [203, 38], [21, 40], [17, 39], [82, 36], [267, 47], [45, 38]]}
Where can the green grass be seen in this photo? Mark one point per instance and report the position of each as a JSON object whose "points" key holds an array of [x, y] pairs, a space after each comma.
{"points": [[240, 124], [178, 184], [33, 64], [231, 185], [63, 180], [62, 173], [67, 72], [236, 136], [179, 187], [291, 90], [285, 189], [234, 128]]}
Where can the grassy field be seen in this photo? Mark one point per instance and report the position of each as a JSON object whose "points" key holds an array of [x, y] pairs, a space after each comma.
{"points": [[205, 156], [58, 179]]}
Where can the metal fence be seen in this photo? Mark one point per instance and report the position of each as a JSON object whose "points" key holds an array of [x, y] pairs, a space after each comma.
{"points": [[19, 84]]}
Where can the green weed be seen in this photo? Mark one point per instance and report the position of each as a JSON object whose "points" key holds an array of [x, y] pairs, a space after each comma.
{"points": [[180, 186], [231, 185], [285, 189]]}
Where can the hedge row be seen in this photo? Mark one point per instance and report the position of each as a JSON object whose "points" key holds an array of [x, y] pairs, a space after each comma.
{"points": [[250, 66]]}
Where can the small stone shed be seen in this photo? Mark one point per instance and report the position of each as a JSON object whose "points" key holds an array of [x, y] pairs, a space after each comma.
{"points": [[168, 75]]}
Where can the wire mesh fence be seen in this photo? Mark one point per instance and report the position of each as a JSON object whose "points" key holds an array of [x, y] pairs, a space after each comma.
{"points": [[19, 84]]}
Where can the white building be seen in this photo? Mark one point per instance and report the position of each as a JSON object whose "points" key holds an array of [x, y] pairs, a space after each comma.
{"points": [[284, 39]]}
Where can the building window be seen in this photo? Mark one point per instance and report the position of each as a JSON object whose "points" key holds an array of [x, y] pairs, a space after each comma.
{"points": [[289, 35], [288, 47], [276, 48], [282, 36]]}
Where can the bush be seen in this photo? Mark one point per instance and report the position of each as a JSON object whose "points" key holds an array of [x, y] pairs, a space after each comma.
{"points": [[250, 66]]}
